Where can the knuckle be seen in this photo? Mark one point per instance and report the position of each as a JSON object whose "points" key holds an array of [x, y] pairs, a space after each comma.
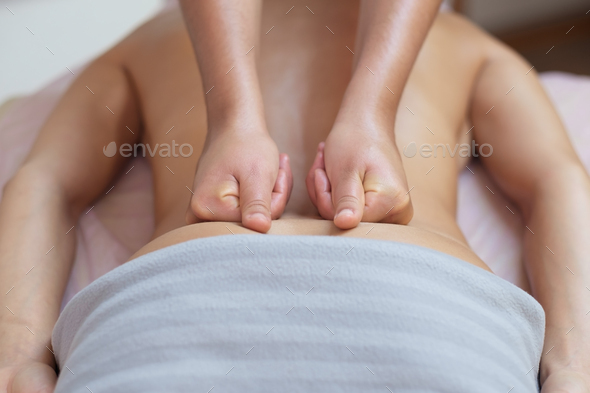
{"points": [[254, 171], [348, 200], [256, 204], [257, 176], [348, 171], [378, 188]]}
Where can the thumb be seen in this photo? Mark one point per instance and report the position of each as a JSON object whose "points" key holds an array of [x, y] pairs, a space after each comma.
{"points": [[255, 198], [348, 195]]}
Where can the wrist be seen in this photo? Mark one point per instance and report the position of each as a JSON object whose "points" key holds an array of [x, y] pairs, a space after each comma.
{"points": [[369, 101], [234, 98], [565, 348], [238, 124], [19, 345], [244, 112]]}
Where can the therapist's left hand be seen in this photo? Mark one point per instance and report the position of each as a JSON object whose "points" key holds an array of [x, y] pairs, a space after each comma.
{"points": [[358, 176]]}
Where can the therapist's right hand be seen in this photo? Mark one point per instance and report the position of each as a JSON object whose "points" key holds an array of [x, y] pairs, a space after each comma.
{"points": [[240, 177]]}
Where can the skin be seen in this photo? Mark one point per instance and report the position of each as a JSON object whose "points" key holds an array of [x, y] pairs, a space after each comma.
{"points": [[460, 73], [354, 186], [239, 150], [238, 176]]}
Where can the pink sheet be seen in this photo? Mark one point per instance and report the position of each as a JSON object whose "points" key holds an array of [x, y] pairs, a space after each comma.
{"points": [[122, 221]]}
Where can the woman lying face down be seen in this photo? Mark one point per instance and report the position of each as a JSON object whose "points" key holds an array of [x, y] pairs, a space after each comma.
{"points": [[149, 81]]}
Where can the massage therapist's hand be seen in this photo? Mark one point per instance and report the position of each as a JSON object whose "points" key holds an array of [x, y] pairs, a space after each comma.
{"points": [[241, 177], [358, 176], [363, 177]]}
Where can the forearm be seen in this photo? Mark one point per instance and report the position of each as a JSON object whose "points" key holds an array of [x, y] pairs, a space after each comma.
{"points": [[557, 261], [35, 259], [225, 37], [390, 35]]}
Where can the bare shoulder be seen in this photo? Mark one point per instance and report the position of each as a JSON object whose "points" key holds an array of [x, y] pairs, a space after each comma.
{"points": [[455, 23], [461, 29], [471, 36]]}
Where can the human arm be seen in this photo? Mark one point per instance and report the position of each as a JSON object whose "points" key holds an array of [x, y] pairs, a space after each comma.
{"points": [[534, 163], [363, 170], [239, 167], [64, 172], [29, 222], [558, 265]]}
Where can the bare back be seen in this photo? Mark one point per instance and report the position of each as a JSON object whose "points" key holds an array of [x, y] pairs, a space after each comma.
{"points": [[303, 79]]}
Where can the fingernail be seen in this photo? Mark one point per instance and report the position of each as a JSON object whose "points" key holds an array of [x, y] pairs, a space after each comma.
{"points": [[344, 212]]}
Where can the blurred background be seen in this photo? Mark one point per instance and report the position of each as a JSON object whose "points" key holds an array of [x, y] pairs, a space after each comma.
{"points": [[535, 27], [40, 38]]}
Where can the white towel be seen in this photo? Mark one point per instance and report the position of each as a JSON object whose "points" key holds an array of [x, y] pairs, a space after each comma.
{"points": [[263, 313]]}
